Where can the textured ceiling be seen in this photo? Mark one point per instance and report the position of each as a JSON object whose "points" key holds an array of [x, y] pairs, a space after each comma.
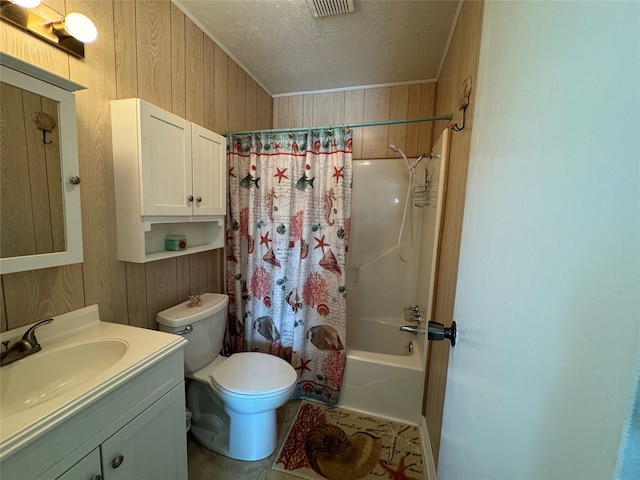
{"points": [[287, 50]]}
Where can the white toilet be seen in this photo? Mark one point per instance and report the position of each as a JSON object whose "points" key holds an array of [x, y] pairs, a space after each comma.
{"points": [[233, 400]]}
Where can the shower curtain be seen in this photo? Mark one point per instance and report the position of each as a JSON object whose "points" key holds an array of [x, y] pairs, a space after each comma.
{"points": [[287, 237]]}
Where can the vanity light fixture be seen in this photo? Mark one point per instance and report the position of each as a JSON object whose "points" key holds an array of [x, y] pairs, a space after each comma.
{"points": [[69, 32], [78, 26]]}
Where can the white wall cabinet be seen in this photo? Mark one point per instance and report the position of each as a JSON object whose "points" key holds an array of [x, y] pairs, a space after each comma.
{"points": [[163, 156], [209, 152], [170, 178]]}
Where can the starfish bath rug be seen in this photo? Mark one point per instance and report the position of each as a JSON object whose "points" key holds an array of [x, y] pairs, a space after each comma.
{"points": [[337, 444]]}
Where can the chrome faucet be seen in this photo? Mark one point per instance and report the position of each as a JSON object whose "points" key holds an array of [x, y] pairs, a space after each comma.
{"points": [[413, 313], [412, 329], [24, 347], [435, 331]]}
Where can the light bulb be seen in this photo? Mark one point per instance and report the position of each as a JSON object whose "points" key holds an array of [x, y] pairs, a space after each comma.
{"points": [[27, 3], [80, 27]]}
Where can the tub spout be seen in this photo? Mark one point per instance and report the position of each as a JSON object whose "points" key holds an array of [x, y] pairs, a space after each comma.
{"points": [[411, 329], [436, 331]]}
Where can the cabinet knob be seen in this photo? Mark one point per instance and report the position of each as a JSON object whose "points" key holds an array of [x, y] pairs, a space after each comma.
{"points": [[198, 199], [190, 198], [96, 477], [75, 179], [117, 461]]}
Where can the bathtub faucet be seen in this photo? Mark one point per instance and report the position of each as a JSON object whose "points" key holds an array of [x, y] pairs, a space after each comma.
{"points": [[436, 331], [413, 313], [412, 329]]}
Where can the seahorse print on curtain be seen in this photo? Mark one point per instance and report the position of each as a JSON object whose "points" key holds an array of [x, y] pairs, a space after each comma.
{"points": [[287, 238]]}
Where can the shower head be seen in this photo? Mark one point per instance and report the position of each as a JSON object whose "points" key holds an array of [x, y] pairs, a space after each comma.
{"points": [[410, 167]]}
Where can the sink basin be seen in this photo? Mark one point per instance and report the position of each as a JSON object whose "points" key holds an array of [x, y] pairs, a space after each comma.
{"points": [[49, 373]]}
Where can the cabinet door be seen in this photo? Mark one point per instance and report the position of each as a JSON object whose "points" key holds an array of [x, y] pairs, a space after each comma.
{"points": [[153, 445], [165, 150], [86, 469], [209, 172]]}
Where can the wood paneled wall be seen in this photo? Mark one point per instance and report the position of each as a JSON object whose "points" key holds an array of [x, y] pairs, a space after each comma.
{"points": [[151, 50], [366, 105], [461, 62]]}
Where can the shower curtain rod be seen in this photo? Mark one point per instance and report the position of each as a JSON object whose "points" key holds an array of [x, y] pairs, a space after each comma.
{"points": [[346, 125]]}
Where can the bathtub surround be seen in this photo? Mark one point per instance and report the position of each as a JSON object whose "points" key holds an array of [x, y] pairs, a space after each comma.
{"points": [[377, 217], [288, 232], [329, 442], [380, 284], [383, 375], [382, 360]]}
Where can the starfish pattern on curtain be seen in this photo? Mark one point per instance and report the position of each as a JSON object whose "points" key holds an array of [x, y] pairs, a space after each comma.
{"points": [[288, 221]]}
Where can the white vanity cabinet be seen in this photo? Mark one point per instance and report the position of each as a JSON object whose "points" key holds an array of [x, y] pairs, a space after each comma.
{"points": [[151, 445], [147, 447], [86, 469], [170, 178], [136, 431]]}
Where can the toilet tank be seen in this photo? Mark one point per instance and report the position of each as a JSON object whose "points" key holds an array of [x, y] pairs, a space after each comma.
{"points": [[203, 327]]}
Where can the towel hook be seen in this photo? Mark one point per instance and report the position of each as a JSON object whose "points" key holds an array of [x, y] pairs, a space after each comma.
{"points": [[44, 122]]}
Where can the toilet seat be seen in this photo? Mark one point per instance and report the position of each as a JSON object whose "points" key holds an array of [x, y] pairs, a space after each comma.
{"points": [[253, 373]]}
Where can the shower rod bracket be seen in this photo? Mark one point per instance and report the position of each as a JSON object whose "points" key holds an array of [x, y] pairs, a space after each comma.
{"points": [[455, 127], [463, 102]]}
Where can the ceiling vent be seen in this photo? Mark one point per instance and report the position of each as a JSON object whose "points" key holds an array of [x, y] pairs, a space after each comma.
{"points": [[324, 8]]}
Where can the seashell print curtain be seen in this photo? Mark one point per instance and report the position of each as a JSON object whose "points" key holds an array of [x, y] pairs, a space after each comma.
{"points": [[288, 222]]}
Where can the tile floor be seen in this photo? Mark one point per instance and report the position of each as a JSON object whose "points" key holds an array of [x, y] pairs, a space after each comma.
{"points": [[205, 464]]}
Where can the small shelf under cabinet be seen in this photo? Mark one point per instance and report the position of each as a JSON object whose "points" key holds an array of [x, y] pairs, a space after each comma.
{"points": [[201, 236]]}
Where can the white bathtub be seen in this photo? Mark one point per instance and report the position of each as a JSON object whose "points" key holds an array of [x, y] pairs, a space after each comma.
{"points": [[383, 376]]}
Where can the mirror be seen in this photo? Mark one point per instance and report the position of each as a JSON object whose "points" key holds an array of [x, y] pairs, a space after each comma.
{"points": [[31, 205], [39, 196]]}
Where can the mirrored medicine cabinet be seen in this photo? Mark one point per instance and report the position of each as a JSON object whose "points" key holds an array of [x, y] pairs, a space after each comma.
{"points": [[40, 220]]}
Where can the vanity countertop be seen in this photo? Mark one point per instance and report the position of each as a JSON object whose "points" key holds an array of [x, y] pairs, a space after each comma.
{"points": [[74, 339]]}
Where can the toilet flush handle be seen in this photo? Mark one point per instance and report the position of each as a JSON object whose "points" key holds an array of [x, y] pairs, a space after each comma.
{"points": [[187, 329]]}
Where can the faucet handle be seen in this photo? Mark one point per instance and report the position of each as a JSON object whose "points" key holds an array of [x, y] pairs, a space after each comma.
{"points": [[29, 335], [413, 313]]}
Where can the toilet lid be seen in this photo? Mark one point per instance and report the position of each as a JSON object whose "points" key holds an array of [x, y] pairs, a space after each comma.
{"points": [[254, 373]]}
